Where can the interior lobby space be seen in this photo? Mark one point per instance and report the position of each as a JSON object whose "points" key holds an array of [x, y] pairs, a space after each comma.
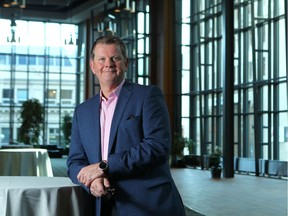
{"points": [[243, 195], [222, 68]]}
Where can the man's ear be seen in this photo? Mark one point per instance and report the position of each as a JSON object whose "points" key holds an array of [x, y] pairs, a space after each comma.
{"points": [[92, 66]]}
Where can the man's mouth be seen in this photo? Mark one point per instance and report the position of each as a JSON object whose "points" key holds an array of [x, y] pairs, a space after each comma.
{"points": [[111, 71]]}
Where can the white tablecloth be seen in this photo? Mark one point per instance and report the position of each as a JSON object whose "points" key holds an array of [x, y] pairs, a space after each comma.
{"points": [[25, 162], [43, 196]]}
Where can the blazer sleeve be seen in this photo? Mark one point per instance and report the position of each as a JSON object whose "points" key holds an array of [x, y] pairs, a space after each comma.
{"points": [[77, 158], [85, 137]]}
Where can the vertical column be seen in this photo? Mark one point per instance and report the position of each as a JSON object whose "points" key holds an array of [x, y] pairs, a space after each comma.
{"points": [[228, 90], [162, 50]]}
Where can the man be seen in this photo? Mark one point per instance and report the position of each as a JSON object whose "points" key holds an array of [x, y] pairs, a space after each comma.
{"points": [[121, 141]]}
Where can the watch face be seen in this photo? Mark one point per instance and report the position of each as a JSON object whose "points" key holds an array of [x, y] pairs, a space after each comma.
{"points": [[103, 165]]}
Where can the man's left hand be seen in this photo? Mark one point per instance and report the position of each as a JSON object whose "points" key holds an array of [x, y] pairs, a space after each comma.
{"points": [[89, 174]]}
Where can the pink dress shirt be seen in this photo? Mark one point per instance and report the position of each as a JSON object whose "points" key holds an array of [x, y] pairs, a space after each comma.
{"points": [[106, 116]]}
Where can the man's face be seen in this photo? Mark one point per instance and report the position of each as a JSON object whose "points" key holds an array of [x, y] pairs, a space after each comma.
{"points": [[109, 65]]}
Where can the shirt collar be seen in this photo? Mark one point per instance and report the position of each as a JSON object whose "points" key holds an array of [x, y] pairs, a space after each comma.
{"points": [[116, 91]]}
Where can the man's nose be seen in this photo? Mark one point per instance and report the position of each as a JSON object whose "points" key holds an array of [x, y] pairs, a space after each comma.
{"points": [[109, 62]]}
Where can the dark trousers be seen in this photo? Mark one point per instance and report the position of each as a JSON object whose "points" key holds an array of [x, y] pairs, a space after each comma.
{"points": [[109, 208]]}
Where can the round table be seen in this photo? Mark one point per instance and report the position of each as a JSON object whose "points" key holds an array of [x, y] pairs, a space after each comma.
{"points": [[25, 162], [45, 196]]}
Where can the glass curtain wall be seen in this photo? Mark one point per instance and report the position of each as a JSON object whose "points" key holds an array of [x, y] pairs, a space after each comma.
{"points": [[260, 76], [39, 60]]}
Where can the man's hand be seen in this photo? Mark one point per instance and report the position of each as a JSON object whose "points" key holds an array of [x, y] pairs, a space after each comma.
{"points": [[89, 174], [99, 187]]}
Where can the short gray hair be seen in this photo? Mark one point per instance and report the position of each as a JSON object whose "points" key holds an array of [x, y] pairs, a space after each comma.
{"points": [[109, 39]]}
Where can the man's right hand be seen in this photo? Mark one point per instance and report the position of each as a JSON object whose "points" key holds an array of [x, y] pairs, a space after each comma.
{"points": [[98, 187]]}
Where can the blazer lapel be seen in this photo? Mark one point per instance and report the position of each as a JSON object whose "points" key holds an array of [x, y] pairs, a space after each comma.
{"points": [[95, 132], [123, 99]]}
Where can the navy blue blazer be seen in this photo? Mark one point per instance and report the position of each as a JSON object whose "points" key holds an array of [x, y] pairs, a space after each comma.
{"points": [[138, 155]]}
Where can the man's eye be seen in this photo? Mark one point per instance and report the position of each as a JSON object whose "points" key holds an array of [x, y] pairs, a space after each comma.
{"points": [[116, 58], [101, 59]]}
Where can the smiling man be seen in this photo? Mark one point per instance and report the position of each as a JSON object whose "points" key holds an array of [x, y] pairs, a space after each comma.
{"points": [[121, 140]]}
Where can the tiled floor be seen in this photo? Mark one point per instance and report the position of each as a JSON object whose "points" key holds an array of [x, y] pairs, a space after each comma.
{"points": [[242, 195]]}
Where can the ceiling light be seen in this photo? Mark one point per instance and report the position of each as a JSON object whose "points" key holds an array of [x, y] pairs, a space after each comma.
{"points": [[15, 3]]}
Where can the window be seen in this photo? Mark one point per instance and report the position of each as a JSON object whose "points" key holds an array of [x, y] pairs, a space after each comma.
{"points": [[35, 69], [7, 95], [143, 43], [67, 62], [32, 60], [41, 60], [66, 96], [57, 61], [22, 95], [52, 93], [22, 60], [2, 59], [260, 86]]}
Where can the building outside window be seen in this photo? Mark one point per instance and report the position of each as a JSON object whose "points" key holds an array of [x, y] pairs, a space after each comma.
{"points": [[39, 65]]}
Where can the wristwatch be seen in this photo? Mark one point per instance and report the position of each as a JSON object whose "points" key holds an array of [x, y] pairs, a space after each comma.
{"points": [[104, 166]]}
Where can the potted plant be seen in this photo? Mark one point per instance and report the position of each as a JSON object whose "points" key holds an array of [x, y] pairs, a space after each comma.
{"points": [[190, 144], [32, 118], [177, 149], [179, 142], [214, 163]]}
